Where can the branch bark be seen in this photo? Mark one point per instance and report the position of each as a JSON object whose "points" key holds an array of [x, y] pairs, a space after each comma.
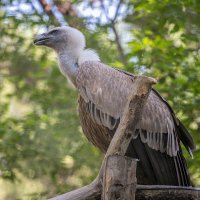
{"points": [[119, 180], [48, 10], [88, 192], [65, 9], [158, 192], [119, 46], [112, 22]]}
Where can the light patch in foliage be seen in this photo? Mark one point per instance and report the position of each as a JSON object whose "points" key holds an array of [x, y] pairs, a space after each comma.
{"points": [[68, 161]]}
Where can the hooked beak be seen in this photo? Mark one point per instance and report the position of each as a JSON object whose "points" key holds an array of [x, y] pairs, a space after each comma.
{"points": [[41, 39]]}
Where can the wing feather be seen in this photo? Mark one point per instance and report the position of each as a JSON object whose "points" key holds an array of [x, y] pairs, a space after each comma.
{"points": [[106, 89]]}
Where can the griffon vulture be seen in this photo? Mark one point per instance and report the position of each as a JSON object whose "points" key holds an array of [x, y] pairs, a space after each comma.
{"points": [[103, 96]]}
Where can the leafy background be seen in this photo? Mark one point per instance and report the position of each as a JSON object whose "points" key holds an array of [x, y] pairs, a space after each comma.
{"points": [[42, 149]]}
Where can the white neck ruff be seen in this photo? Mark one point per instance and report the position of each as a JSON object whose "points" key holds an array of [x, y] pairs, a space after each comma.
{"points": [[88, 55]]}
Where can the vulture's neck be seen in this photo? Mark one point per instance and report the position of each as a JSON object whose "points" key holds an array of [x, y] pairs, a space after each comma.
{"points": [[68, 65], [70, 61]]}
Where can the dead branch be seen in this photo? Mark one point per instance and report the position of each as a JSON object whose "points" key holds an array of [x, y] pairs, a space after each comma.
{"points": [[119, 179], [48, 10], [160, 192], [115, 32]]}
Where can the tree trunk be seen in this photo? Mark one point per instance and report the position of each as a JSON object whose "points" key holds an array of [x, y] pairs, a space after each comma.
{"points": [[119, 179]]}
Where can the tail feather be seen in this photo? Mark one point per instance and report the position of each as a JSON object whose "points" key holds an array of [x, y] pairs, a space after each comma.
{"points": [[186, 138], [182, 169], [158, 168], [145, 173]]}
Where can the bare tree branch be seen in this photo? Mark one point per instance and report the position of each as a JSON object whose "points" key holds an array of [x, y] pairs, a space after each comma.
{"points": [[122, 56], [119, 46], [48, 10], [160, 192], [117, 10], [65, 9]]}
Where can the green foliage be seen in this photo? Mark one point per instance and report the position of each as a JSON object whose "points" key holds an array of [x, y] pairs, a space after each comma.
{"points": [[41, 141], [40, 135], [166, 45]]}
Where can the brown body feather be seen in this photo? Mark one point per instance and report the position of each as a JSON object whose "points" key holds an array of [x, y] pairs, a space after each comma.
{"points": [[98, 135], [154, 167]]}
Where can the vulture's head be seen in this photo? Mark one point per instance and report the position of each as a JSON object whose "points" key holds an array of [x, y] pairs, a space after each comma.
{"points": [[62, 38]]}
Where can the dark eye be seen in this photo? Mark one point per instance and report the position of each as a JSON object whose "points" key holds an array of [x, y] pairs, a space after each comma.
{"points": [[54, 32]]}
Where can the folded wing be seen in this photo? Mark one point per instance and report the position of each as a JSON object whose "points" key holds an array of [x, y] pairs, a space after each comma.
{"points": [[105, 91]]}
